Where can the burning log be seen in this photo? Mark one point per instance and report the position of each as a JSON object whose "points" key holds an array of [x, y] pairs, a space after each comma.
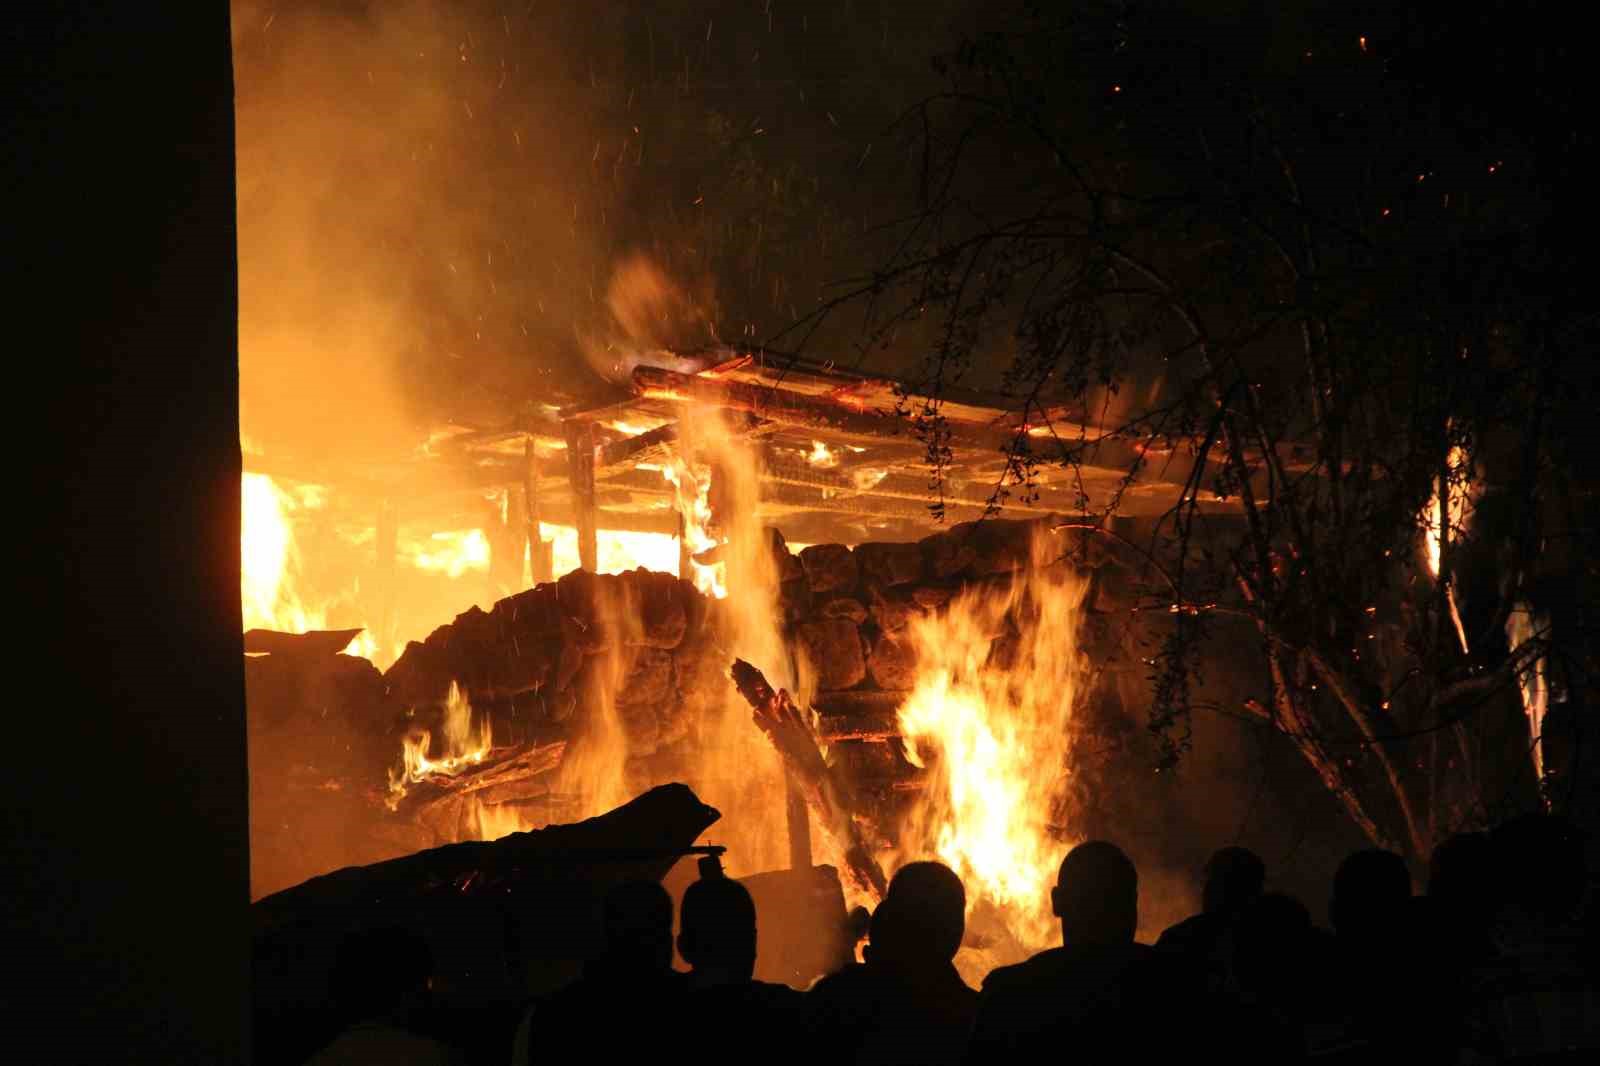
{"points": [[511, 775], [827, 793]]}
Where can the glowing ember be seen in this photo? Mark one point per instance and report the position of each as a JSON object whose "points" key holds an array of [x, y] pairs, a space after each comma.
{"points": [[451, 553], [463, 747], [991, 717]]}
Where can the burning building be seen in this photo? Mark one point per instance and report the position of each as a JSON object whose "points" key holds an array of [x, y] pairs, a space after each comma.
{"points": [[948, 683]]}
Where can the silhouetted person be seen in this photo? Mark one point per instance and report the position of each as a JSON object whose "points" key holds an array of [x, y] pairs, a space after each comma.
{"points": [[1462, 883], [746, 1019], [1276, 964], [1090, 999], [1234, 878], [382, 979], [1369, 911], [906, 1003], [628, 1002], [1538, 994]]}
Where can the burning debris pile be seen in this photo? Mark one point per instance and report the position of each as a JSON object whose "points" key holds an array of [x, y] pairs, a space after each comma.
{"points": [[944, 682]]}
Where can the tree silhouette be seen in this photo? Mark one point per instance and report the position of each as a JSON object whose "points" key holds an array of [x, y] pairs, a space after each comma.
{"points": [[1341, 245]]}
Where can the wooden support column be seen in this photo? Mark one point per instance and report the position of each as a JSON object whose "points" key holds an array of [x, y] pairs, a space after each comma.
{"points": [[541, 560], [580, 466]]}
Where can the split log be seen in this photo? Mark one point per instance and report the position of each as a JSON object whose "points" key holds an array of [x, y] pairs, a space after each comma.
{"points": [[828, 794]]}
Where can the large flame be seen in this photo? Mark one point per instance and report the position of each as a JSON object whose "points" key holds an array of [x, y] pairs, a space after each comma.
{"points": [[991, 717]]}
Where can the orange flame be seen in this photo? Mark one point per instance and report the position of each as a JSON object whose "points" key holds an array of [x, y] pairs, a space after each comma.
{"points": [[269, 561], [463, 747], [1459, 488], [1460, 495], [991, 716], [692, 483], [451, 552], [821, 455]]}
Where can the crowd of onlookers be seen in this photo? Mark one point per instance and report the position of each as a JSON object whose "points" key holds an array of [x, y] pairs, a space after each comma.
{"points": [[1493, 963]]}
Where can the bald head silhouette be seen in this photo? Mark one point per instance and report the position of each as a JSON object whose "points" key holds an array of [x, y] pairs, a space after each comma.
{"points": [[637, 920], [1097, 895], [922, 918]]}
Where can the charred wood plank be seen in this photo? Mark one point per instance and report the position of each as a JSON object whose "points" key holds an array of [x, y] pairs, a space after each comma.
{"points": [[640, 839]]}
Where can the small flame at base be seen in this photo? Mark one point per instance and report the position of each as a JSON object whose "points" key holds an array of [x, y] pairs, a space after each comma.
{"points": [[463, 747]]}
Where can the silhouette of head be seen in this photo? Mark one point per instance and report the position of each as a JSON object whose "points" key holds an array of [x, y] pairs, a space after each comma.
{"points": [[1540, 858], [718, 928], [381, 971], [1234, 878], [922, 917], [1270, 941], [637, 917], [1369, 893], [1097, 895]]}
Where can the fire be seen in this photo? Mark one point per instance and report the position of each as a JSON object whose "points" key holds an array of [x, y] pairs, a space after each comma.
{"points": [[1460, 495], [619, 550], [451, 553], [692, 482], [995, 738], [266, 548], [1459, 489], [821, 455], [1523, 626], [463, 747], [269, 561]]}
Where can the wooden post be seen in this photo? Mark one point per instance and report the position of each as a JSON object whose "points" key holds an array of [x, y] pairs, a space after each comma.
{"points": [[540, 561], [580, 464]]}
